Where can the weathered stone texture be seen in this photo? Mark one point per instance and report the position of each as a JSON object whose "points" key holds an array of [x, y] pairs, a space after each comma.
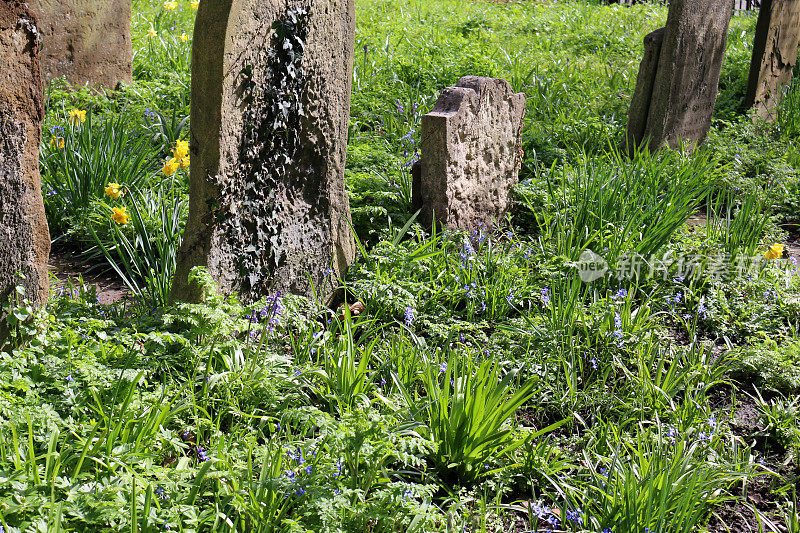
{"points": [[774, 54], [270, 109], [471, 154], [88, 41], [686, 80], [24, 235], [640, 104]]}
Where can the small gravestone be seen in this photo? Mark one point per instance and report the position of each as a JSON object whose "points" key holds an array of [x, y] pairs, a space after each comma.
{"points": [[774, 54], [24, 235], [270, 109], [674, 99], [88, 41], [471, 154]]}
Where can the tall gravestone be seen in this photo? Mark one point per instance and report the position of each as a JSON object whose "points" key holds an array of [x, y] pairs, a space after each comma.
{"points": [[270, 109], [471, 154], [679, 75], [24, 235], [88, 41], [774, 54]]}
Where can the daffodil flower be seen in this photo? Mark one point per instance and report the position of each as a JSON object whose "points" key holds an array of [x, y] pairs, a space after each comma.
{"points": [[181, 149], [170, 167], [77, 116], [775, 251], [114, 191], [119, 215]]}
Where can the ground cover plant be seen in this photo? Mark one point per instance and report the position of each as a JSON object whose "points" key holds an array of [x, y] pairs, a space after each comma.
{"points": [[479, 382]]}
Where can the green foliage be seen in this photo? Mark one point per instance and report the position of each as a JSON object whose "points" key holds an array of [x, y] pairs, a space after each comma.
{"points": [[769, 366], [145, 253], [285, 415], [93, 155], [465, 408]]}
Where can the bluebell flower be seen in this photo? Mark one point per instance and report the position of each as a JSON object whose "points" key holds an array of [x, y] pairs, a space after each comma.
{"points": [[702, 310], [620, 294], [575, 515], [545, 295], [409, 316], [201, 454]]}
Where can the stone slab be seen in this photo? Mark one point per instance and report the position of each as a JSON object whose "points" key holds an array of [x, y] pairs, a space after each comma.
{"points": [[687, 77], [471, 154], [774, 55], [24, 235], [88, 41], [270, 109]]}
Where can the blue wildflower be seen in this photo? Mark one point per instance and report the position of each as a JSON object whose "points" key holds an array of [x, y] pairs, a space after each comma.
{"points": [[409, 316]]}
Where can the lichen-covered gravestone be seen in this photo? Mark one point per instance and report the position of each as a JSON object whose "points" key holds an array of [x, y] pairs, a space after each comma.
{"points": [[774, 54], [270, 108], [24, 235], [471, 154], [88, 41], [675, 93]]}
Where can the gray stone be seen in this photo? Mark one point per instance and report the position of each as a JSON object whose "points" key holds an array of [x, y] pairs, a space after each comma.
{"points": [[471, 154], [88, 41], [686, 79], [24, 235], [640, 104], [774, 55], [270, 109]]}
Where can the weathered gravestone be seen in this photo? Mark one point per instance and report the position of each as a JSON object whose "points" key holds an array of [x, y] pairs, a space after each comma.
{"points": [[270, 108], [471, 154], [24, 236], [88, 41], [774, 54], [679, 75]]}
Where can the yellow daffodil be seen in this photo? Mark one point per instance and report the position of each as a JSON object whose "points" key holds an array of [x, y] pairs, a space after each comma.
{"points": [[77, 116], [114, 191], [151, 32], [57, 142], [170, 167], [775, 251], [184, 162], [181, 149], [170, 6], [194, 4], [184, 37], [119, 215]]}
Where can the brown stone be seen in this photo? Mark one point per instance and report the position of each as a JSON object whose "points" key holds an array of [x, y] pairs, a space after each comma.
{"points": [[686, 81], [270, 109], [471, 154], [24, 235], [774, 54], [88, 41]]}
